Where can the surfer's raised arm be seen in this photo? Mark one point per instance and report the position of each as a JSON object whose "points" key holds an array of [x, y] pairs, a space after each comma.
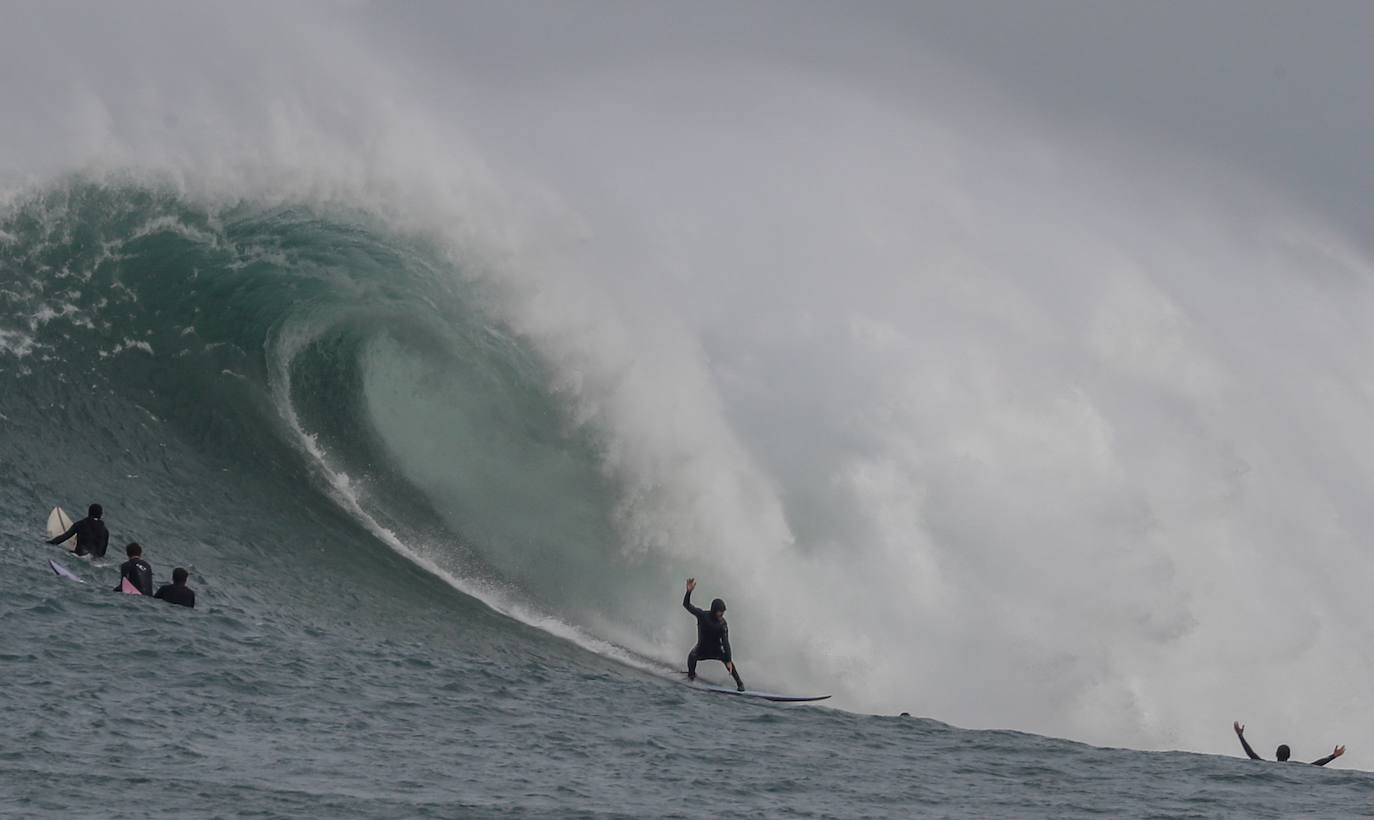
{"points": [[687, 599], [1283, 754], [1240, 733]]}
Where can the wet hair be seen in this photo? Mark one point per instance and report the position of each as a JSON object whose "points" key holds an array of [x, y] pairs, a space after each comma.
{"points": [[717, 605], [94, 511], [1282, 752], [133, 550], [179, 575]]}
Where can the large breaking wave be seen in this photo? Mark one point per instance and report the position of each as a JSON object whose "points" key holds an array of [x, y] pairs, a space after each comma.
{"points": [[995, 424], [310, 344]]}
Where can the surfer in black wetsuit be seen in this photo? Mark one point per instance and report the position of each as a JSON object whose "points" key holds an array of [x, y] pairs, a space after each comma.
{"points": [[713, 636], [91, 536], [136, 571], [1282, 753], [177, 592]]}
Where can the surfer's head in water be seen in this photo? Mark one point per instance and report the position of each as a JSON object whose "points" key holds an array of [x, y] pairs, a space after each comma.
{"points": [[177, 592], [133, 550], [1282, 753], [95, 511], [718, 609]]}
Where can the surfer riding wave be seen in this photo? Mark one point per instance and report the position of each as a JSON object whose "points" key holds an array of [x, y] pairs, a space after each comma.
{"points": [[713, 636]]}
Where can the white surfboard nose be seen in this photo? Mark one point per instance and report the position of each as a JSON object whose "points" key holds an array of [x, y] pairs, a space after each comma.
{"points": [[58, 523]]}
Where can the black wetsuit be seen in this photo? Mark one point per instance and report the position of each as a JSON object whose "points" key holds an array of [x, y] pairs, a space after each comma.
{"points": [[139, 573], [179, 594], [91, 537], [713, 640]]}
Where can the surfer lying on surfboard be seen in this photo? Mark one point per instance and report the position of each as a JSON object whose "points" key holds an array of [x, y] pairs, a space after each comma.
{"points": [[713, 636]]}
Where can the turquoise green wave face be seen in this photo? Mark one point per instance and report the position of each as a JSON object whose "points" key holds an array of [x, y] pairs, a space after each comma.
{"points": [[317, 353]]}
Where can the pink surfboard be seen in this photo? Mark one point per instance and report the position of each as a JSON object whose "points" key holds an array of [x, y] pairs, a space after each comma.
{"points": [[128, 588]]}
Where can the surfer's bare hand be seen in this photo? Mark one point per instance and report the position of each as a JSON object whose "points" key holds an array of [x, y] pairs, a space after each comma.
{"points": [[1239, 727], [1340, 750], [691, 584]]}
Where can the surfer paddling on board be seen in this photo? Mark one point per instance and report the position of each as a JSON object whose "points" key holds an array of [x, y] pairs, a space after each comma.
{"points": [[713, 636], [91, 536], [1282, 753], [136, 571]]}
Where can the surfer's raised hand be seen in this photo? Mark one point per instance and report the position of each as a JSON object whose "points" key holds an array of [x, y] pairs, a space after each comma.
{"points": [[1239, 727], [1340, 750], [691, 584]]}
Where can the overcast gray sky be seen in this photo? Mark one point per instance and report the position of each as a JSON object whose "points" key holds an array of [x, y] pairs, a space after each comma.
{"points": [[1280, 90], [1280, 87]]}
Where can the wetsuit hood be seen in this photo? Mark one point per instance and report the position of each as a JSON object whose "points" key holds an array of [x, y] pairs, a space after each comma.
{"points": [[94, 511]]}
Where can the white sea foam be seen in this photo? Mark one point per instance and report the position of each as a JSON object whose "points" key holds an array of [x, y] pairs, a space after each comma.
{"points": [[16, 344]]}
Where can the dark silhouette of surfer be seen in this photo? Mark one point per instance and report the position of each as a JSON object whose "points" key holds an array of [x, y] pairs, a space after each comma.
{"points": [[1282, 753], [177, 592], [713, 636], [91, 536]]}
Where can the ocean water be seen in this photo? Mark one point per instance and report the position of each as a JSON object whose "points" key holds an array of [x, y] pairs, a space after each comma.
{"points": [[242, 387]]}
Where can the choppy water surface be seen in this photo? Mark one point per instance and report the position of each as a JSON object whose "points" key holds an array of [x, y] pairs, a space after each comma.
{"points": [[409, 701]]}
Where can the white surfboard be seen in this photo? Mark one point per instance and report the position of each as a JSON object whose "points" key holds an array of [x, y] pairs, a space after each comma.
{"points": [[58, 523], [63, 572]]}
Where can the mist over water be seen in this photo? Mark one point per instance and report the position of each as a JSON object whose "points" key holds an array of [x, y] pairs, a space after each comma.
{"points": [[966, 412]]}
